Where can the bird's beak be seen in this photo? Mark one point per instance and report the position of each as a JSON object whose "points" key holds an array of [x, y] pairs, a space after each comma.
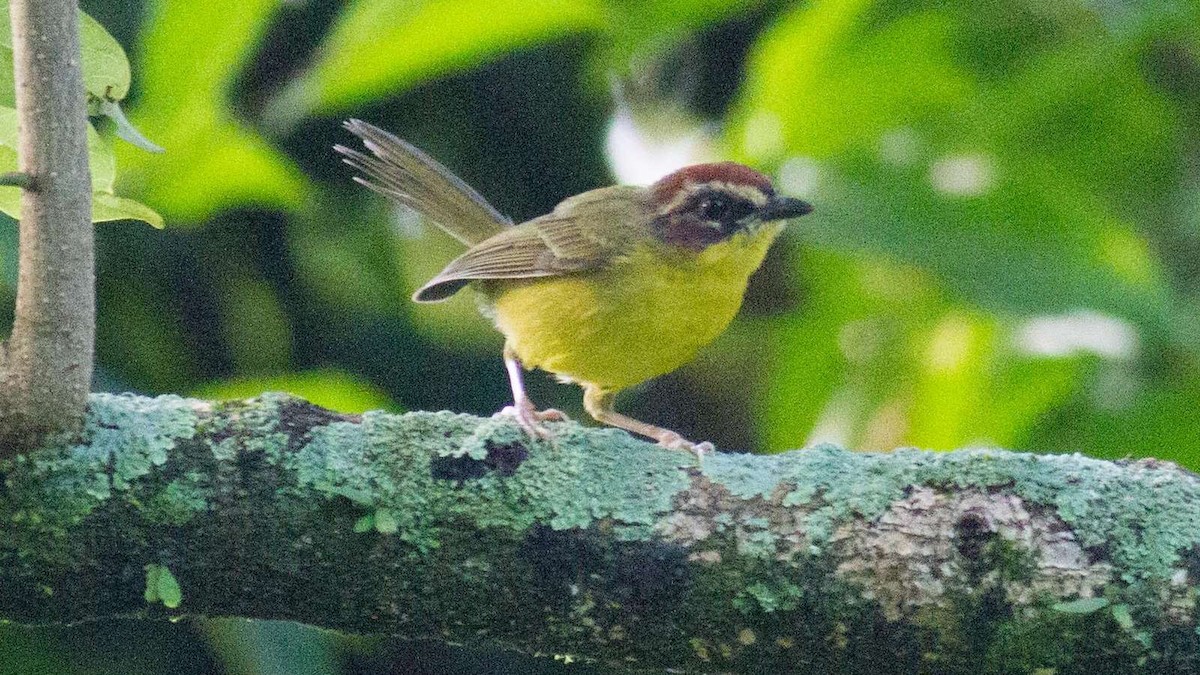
{"points": [[782, 208]]}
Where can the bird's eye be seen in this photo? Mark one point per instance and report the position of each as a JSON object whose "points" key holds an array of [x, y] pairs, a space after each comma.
{"points": [[724, 210], [715, 208]]}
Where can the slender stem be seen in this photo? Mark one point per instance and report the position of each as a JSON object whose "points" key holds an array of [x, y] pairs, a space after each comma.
{"points": [[47, 364], [17, 179]]}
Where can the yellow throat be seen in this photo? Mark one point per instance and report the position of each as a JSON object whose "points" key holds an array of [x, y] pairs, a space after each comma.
{"points": [[643, 316]]}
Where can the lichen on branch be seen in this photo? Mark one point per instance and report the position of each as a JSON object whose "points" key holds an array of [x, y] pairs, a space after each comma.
{"points": [[601, 546]]}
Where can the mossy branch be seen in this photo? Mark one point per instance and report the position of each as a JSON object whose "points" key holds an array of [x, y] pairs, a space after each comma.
{"points": [[604, 547]]}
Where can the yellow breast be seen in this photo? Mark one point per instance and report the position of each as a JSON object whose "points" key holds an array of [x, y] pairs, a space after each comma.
{"points": [[642, 317]]}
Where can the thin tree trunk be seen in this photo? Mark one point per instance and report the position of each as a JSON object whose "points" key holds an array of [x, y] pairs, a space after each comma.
{"points": [[46, 366]]}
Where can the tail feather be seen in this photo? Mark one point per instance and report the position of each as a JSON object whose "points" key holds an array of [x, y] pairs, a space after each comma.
{"points": [[408, 176]]}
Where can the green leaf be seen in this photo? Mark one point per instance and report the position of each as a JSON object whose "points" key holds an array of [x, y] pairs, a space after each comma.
{"points": [[105, 66], [1081, 606], [1123, 616], [168, 589], [191, 54], [843, 85], [385, 522], [365, 523], [381, 46], [153, 572], [162, 586], [105, 205]]}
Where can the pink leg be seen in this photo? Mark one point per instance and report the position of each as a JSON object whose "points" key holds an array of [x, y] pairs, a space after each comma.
{"points": [[527, 414], [599, 404]]}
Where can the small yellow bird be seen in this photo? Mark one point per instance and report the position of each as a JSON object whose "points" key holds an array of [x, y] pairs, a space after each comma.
{"points": [[613, 287]]}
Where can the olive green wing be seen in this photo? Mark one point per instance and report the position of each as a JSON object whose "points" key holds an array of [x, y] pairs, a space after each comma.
{"points": [[584, 232], [402, 172]]}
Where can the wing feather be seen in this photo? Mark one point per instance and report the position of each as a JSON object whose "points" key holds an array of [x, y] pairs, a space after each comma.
{"points": [[584, 232]]}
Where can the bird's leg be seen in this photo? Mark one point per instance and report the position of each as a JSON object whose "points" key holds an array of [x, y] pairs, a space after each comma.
{"points": [[599, 404], [527, 414]]}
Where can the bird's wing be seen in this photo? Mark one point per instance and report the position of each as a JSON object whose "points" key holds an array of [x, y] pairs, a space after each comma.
{"points": [[584, 232], [402, 172]]}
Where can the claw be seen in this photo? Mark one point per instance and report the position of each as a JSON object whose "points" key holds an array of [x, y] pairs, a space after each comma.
{"points": [[527, 414], [674, 441], [530, 418]]}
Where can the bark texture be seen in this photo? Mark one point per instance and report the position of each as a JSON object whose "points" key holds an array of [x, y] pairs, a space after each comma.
{"points": [[46, 366], [602, 547]]}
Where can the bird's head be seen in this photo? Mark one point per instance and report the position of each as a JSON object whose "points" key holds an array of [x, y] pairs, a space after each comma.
{"points": [[703, 204]]}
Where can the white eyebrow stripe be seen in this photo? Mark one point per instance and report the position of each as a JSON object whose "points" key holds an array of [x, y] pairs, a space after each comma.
{"points": [[751, 194]]}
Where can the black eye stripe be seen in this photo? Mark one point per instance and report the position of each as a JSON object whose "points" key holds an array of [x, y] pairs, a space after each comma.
{"points": [[719, 207]]}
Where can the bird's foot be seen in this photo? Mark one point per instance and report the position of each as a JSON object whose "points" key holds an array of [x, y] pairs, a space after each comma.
{"points": [[673, 441], [530, 418]]}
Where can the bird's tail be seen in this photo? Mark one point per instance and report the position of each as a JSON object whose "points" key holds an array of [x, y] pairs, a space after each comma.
{"points": [[410, 177]]}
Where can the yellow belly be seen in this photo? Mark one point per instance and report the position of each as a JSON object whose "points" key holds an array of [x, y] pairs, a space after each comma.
{"points": [[643, 317]]}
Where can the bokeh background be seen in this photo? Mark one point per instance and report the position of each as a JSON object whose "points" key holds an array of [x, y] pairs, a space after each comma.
{"points": [[1005, 248]]}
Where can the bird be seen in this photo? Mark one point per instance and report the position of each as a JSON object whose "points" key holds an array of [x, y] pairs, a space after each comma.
{"points": [[615, 286]]}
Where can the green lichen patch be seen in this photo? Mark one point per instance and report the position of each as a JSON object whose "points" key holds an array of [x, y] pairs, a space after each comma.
{"points": [[134, 434], [838, 484], [755, 615], [254, 426], [179, 500], [125, 437], [496, 478], [1143, 514], [48, 491]]}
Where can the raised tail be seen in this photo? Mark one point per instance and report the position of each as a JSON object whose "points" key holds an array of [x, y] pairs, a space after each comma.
{"points": [[412, 178]]}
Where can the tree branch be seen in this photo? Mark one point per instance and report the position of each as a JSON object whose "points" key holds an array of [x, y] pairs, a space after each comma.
{"points": [[604, 547], [46, 369]]}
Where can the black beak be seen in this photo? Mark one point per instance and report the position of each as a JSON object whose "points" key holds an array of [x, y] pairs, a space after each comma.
{"points": [[782, 208]]}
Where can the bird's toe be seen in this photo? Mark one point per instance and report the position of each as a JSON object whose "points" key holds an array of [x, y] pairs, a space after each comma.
{"points": [[552, 415], [530, 419]]}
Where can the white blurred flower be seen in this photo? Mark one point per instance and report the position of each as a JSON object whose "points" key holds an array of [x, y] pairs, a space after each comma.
{"points": [[900, 146], [835, 424], [762, 137], [645, 147], [1078, 332], [950, 345], [962, 175], [799, 176]]}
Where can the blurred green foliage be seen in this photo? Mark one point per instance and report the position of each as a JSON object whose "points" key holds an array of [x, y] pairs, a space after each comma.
{"points": [[1006, 246], [106, 79]]}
